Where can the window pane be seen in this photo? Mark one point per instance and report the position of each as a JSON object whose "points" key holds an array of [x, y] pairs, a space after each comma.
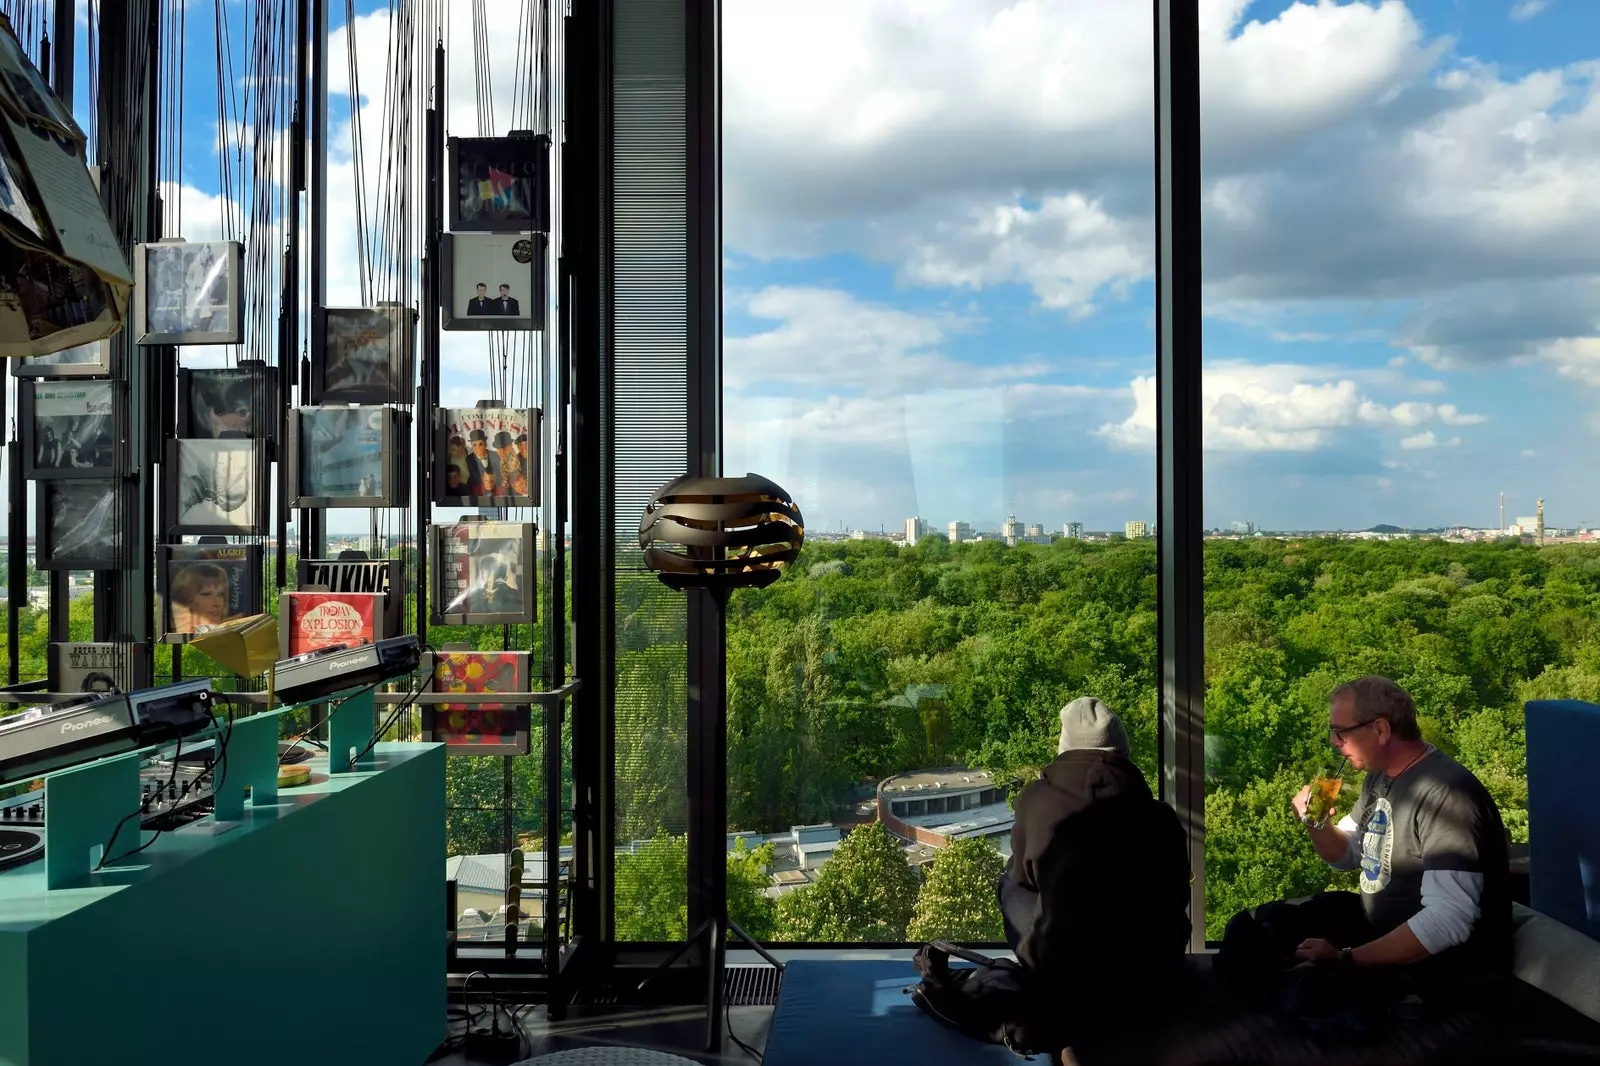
{"points": [[1400, 399], [938, 339]]}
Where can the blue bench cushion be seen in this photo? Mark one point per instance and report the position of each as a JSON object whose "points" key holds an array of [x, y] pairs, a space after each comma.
{"points": [[857, 1011], [1563, 739]]}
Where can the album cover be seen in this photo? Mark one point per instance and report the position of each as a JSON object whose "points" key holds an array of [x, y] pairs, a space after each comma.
{"points": [[492, 280], [483, 573], [82, 666], [235, 402], [217, 486], [502, 184], [486, 457], [187, 292], [478, 728], [20, 205], [203, 586], [311, 621], [72, 429], [31, 96], [383, 576], [363, 355], [349, 457], [81, 361], [84, 525], [48, 304]]}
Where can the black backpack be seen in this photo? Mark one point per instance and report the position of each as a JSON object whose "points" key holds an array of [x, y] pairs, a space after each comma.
{"points": [[988, 1001]]}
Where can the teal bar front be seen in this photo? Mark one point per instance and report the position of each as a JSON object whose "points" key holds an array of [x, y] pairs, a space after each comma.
{"points": [[309, 930]]}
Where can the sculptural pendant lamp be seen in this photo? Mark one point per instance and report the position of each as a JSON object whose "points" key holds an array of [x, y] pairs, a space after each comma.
{"points": [[720, 533], [713, 535]]}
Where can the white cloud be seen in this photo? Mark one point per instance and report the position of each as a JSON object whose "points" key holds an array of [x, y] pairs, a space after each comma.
{"points": [[1523, 10], [1529, 453], [1251, 407], [1420, 441]]}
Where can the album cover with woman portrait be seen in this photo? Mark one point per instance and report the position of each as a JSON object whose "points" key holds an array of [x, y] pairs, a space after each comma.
{"points": [[72, 429], [84, 525], [492, 281], [203, 586], [483, 573], [216, 486], [229, 403], [187, 292], [91, 360], [486, 457], [363, 355], [502, 184], [349, 457]]}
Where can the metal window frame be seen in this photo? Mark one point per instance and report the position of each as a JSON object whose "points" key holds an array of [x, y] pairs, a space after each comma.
{"points": [[1180, 595]]}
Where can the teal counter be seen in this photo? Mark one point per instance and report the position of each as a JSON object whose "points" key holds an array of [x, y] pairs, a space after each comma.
{"points": [[311, 932]]}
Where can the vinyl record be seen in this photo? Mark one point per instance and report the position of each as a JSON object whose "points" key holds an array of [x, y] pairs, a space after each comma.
{"points": [[18, 846]]}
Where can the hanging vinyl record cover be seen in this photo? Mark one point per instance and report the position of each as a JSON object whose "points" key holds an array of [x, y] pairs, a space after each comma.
{"points": [[217, 486], [311, 621], [187, 292], [71, 429], [97, 667], [492, 281], [483, 573], [486, 457], [478, 728], [91, 360], [84, 525], [351, 574], [502, 184], [349, 457], [363, 355], [203, 586], [233, 402]]}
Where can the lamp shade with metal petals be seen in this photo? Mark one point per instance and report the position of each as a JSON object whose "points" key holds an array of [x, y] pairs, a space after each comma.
{"points": [[720, 533]]}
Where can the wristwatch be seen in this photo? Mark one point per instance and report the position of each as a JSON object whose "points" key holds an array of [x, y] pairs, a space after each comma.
{"points": [[1346, 957], [1306, 819]]}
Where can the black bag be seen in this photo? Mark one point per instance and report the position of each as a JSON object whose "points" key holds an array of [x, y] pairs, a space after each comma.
{"points": [[988, 1001]]}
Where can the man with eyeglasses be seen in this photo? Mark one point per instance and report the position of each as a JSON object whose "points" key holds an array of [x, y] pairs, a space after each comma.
{"points": [[1432, 918]]}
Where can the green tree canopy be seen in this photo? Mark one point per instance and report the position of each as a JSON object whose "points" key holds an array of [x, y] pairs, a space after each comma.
{"points": [[958, 901], [865, 892]]}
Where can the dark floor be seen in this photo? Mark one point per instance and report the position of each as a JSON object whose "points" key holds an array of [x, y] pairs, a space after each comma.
{"points": [[677, 1030]]}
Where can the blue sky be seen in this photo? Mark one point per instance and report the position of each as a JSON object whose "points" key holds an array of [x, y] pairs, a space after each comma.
{"points": [[938, 253]]}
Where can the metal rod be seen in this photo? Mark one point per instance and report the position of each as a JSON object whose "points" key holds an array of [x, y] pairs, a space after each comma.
{"points": [[65, 48], [313, 521]]}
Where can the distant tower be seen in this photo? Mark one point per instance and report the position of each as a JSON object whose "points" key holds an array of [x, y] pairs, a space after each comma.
{"points": [[1502, 512], [1540, 526]]}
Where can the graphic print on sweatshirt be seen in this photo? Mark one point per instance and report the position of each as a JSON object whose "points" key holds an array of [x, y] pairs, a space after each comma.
{"points": [[1377, 846]]}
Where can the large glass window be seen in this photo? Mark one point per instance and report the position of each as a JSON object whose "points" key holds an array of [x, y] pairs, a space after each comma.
{"points": [[938, 305], [1400, 396]]}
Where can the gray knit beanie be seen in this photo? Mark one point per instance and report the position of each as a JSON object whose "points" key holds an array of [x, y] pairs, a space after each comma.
{"points": [[1088, 723]]}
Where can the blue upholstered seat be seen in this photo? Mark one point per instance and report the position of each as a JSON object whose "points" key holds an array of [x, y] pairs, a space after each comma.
{"points": [[1564, 812]]}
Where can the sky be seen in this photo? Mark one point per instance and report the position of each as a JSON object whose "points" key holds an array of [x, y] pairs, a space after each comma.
{"points": [[939, 247]]}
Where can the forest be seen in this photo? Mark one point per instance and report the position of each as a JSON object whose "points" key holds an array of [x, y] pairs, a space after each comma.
{"points": [[868, 659]]}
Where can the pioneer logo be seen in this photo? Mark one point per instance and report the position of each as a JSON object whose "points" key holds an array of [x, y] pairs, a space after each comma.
{"points": [[340, 664], [87, 723]]}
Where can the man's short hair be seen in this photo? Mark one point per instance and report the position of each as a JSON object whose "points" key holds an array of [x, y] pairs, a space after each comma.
{"points": [[481, 285], [1374, 697], [505, 288]]}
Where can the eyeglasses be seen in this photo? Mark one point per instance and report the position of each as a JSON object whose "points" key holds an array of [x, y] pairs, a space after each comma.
{"points": [[1336, 734]]}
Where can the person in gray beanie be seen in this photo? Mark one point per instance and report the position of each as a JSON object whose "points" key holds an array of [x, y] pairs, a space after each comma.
{"points": [[1097, 887]]}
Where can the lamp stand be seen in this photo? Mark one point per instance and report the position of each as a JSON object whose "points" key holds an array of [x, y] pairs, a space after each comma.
{"points": [[708, 805]]}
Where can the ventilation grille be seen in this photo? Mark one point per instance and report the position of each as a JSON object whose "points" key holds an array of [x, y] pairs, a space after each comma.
{"points": [[751, 986]]}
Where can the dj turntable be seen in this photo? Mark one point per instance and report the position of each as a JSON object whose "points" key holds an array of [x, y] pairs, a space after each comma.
{"points": [[19, 846]]}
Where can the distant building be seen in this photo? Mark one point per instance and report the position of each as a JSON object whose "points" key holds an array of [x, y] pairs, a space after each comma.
{"points": [[916, 529], [960, 531], [933, 807], [1035, 530], [1012, 530], [1073, 530], [1134, 530]]}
